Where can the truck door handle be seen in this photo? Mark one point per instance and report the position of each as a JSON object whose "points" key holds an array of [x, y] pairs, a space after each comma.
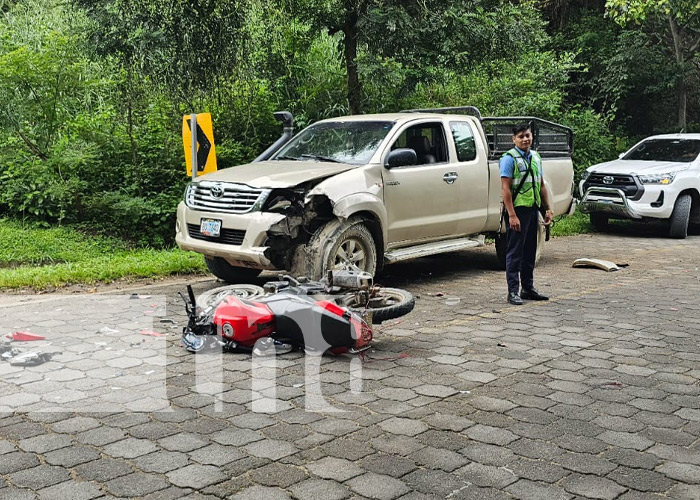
{"points": [[450, 177]]}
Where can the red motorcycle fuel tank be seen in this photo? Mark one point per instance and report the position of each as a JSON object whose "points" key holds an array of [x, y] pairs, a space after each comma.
{"points": [[243, 321]]}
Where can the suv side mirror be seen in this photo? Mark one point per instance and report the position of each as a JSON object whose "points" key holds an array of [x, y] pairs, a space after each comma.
{"points": [[401, 157]]}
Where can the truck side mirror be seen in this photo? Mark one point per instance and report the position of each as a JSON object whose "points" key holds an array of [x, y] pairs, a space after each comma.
{"points": [[401, 157]]}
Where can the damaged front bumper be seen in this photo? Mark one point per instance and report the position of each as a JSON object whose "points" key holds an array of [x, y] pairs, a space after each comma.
{"points": [[241, 241]]}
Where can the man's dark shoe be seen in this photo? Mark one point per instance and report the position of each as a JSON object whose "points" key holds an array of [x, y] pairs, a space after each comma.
{"points": [[532, 294], [515, 299]]}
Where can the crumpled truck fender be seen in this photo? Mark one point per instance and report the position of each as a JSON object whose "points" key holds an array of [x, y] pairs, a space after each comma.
{"points": [[353, 192]]}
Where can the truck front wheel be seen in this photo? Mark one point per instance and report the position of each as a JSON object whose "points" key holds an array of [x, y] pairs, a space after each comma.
{"points": [[228, 273], [340, 244], [680, 217]]}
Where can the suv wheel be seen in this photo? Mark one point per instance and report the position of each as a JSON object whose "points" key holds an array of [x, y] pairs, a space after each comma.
{"points": [[228, 273], [680, 217]]}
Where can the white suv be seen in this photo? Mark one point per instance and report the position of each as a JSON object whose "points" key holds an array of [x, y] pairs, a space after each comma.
{"points": [[659, 178]]}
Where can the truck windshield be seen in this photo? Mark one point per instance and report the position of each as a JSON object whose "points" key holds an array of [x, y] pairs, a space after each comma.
{"points": [[676, 150], [341, 142]]}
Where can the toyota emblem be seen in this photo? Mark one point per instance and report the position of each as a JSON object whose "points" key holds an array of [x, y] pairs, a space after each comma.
{"points": [[608, 179], [217, 191]]}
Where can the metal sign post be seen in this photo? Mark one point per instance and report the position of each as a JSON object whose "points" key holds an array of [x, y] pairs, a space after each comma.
{"points": [[193, 129]]}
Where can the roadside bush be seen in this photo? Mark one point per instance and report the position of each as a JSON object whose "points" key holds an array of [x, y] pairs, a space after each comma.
{"points": [[145, 221], [593, 142]]}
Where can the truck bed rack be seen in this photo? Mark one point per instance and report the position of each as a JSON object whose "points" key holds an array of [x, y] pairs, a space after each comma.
{"points": [[549, 139]]}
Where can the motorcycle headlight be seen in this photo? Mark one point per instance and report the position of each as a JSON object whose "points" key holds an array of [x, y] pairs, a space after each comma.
{"points": [[666, 178], [228, 330], [585, 175]]}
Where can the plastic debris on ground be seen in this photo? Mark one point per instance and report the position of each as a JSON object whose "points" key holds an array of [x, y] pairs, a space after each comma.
{"points": [[151, 333], [605, 265], [25, 337]]}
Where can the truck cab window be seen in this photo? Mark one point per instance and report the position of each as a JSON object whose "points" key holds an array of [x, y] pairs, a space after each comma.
{"points": [[464, 141], [427, 140]]}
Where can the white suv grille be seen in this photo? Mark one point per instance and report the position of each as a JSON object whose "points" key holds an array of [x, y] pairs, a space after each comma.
{"points": [[224, 197]]}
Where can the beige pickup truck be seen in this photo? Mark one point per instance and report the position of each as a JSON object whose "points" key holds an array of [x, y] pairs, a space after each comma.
{"points": [[360, 192]]}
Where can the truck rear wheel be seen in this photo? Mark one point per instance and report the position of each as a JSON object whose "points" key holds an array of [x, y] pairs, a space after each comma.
{"points": [[680, 217], [228, 273], [340, 244]]}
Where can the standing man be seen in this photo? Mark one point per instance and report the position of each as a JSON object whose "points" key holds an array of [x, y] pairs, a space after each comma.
{"points": [[524, 192]]}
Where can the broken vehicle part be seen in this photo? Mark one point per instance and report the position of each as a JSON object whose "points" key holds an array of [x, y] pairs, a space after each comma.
{"points": [[605, 265], [31, 358]]}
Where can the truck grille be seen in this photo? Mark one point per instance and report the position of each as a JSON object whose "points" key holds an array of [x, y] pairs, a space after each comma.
{"points": [[224, 197], [227, 236], [624, 183]]}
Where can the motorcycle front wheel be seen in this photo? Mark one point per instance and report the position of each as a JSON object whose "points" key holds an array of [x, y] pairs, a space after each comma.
{"points": [[384, 304]]}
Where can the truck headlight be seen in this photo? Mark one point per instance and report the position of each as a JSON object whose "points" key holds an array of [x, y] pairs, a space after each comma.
{"points": [[666, 178], [585, 175]]}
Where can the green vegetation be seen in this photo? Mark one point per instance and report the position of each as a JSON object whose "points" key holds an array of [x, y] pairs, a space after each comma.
{"points": [[36, 257], [578, 223], [92, 93]]}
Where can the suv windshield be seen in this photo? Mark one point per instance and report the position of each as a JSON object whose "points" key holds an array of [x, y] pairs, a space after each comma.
{"points": [[678, 150], [343, 142]]}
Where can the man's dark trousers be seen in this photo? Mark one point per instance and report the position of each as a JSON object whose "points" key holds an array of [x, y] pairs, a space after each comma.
{"points": [[522, 249]]}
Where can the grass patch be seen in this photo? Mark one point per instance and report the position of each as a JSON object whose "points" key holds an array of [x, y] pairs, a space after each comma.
{"points": [[579, 223], [31, 256]]}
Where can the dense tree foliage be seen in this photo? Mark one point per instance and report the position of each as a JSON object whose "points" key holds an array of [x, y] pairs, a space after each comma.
{"points": [[92, 93]]}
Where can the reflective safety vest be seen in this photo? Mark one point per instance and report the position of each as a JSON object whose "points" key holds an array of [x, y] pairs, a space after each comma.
{"points": [[527, 197]]}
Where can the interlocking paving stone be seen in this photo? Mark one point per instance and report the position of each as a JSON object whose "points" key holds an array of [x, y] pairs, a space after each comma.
{"points": [[270, 448], [70, 457], [74, 490], [525, 489], [39, 477], [320, 488], [593, 487], [136, 485], [103, 469], [487, 475], [196, 476], [377, 486], [403, 426], [261, 492], [640, 479], [283, 475], [490, 435], [436, 458], [683, 472], [161, 461], [337, 469]]}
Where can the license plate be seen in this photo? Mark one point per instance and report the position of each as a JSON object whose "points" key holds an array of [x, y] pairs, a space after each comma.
{"points": [[210, 227]]}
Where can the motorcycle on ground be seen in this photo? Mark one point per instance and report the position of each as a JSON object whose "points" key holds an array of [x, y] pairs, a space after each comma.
{"points": [[333, 315]]}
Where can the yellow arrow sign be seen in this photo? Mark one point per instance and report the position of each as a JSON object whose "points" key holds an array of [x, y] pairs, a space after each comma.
{"points": [[206, 151]]}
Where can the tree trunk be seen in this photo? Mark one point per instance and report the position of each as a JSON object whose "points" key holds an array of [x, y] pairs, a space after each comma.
{"points": [[350, 31], [681, 88]]}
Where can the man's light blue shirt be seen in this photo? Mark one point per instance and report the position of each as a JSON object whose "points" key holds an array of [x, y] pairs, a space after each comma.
{"points": [[507, 164]]}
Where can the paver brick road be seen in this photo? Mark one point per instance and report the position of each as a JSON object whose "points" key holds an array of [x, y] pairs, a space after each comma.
{"points": [[594, 394]]}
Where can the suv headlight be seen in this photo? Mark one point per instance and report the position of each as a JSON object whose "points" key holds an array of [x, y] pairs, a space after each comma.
{"points": [[666, 178], [585, 175]]}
